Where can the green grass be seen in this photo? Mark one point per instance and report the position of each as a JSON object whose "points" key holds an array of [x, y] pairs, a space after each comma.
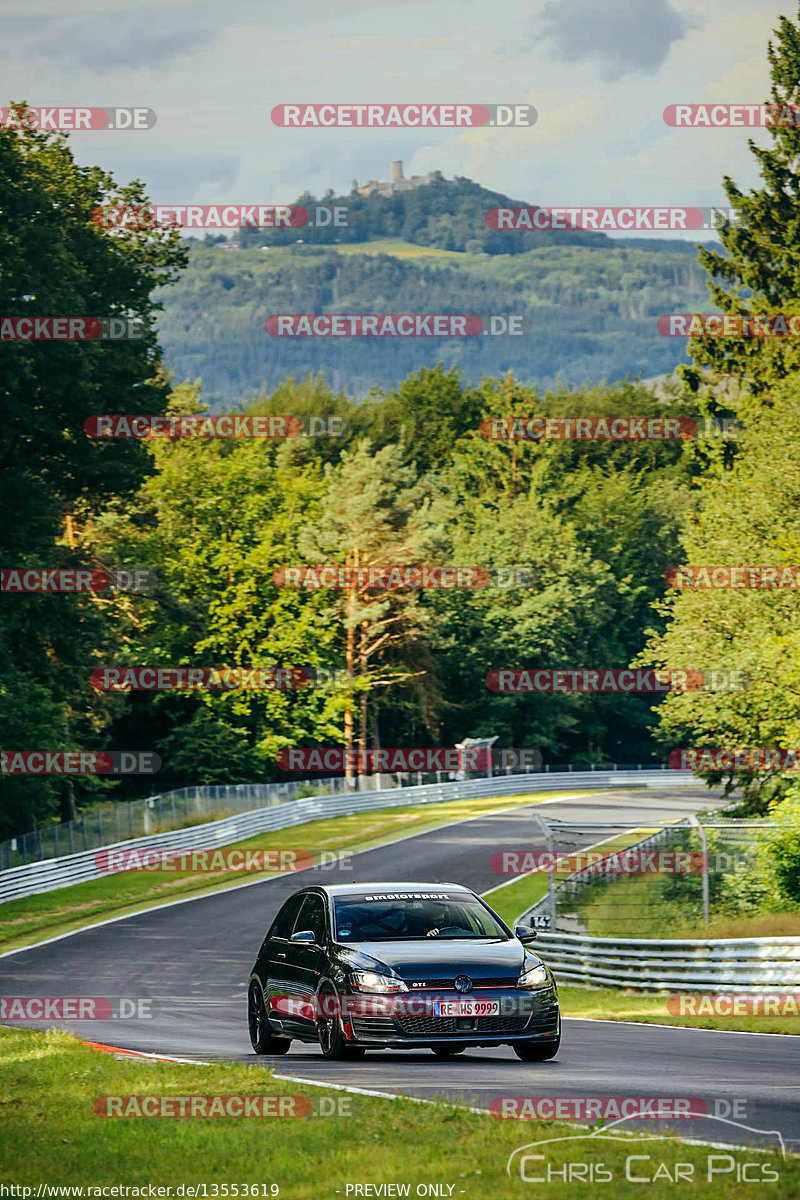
{"points": [[636, 903], [49, 1084], [33, 918], [618, 1004]]}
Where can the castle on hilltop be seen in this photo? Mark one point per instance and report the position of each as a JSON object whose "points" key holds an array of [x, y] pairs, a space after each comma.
{"points": [[398, 182]]}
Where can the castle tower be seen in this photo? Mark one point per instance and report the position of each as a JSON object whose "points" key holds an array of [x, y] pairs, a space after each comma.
{"points": [[397, 171]]}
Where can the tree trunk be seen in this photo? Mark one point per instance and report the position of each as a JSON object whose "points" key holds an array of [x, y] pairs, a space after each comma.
{"points": [[350, 655], [68, 810], [362, 662]]}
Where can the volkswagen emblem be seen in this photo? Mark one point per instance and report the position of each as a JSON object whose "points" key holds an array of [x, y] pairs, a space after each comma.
{"points": [[463, 983]]}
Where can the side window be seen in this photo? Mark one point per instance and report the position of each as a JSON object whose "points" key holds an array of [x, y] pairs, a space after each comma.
{"points": [[312, 916], [284, 922]]}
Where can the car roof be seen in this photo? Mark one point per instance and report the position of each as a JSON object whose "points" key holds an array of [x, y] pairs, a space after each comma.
{"points": [[339, 889]]}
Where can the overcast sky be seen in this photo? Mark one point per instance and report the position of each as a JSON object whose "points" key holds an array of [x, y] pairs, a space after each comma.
{"points": [[599, 72]]}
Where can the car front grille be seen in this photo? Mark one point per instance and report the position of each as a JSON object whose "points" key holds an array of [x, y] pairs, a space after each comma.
{"points": [[503, 981], [530, 1017], [443, 1026]]}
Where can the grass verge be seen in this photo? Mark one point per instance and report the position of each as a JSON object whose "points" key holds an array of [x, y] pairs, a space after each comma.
{"points": [[619, 1004], [641, 906], [33, 918], [49, 1084]]}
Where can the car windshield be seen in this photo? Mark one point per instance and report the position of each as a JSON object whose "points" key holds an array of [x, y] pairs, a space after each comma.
{"points": [[411, 918]]}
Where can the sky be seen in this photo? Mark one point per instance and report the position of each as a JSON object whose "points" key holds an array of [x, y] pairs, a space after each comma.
{"points": [[599, 72]]}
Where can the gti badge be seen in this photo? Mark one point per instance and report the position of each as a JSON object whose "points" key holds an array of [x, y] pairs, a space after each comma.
{"points": [[463, 983]]}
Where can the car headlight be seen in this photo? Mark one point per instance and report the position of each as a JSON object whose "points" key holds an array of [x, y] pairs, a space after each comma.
{"points": [[371, 981], [535, 977]]}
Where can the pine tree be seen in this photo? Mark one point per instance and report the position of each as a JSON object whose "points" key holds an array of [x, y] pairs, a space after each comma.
{"points": [[760, 273]]}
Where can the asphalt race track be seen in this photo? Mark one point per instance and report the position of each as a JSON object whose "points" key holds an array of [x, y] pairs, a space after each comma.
{"points": [[193, 959]]}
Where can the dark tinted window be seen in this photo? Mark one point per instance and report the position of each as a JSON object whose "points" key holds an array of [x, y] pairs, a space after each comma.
{"points": [[284, 922], [312, 916], [404, 918]]}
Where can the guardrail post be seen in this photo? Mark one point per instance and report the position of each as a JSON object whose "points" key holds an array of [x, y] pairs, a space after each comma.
{"points": [[551, 894], [704, 843]]}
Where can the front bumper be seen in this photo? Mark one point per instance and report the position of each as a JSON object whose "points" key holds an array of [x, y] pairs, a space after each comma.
{"points": [[524, 1015]]}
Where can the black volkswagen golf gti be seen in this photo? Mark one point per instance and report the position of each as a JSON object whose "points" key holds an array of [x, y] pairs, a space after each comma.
{"points": [[402, 965]]}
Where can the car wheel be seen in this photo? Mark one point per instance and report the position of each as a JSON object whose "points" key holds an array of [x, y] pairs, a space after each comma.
{"points": [[538, 1051], [448, 1051], [332, 1041], [262, 1039]]}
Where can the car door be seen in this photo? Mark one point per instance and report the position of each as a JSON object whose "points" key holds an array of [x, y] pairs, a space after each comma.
{"points": [[276, 969], [305, 960]]}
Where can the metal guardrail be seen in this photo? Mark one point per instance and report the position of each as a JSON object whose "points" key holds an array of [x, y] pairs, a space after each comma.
{"points": [[727, 964], [108, 824], [78, 868]]}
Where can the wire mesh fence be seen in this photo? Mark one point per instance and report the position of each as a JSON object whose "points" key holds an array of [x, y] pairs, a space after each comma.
{"points": [[652, 881], [108, 824]]}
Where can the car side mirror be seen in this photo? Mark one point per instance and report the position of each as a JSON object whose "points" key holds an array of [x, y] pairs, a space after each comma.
{"points": [[304, 935], [525, 934]]}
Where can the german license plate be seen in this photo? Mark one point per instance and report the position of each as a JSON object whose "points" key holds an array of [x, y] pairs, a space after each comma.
{"points": [[466, 1008]]}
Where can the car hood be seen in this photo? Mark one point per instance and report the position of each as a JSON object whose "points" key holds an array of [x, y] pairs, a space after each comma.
{"points": [[438, 959]]}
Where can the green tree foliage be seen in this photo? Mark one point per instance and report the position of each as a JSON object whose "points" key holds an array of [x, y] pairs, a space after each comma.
{"points": [[448, 214], [758, 270], [55, 262], [592, 313], [748, 514]]}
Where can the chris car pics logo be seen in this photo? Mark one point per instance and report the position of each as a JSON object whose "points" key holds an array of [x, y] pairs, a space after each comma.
{"points": [[579, 1158]]}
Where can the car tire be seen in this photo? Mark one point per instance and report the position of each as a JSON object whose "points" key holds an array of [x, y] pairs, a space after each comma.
{"points": [[332, 1041], [448, 1051], [262, 1038], [538, 1051]]}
